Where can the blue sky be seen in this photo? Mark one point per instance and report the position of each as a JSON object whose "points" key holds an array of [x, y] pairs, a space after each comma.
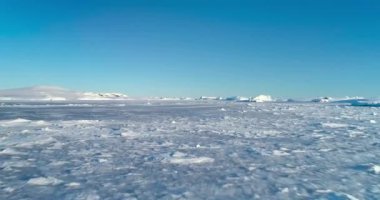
{"points": [[284, 48]]}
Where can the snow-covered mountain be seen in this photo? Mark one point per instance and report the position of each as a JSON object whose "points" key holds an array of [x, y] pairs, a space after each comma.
{"points": [[53, 93]]}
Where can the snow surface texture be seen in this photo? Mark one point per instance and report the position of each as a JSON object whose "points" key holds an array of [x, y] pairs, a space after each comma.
{"points": [[189, 150]]}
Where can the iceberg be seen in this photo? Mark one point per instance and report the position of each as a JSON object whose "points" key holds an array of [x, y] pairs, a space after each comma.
{"points": [[262, 98]]}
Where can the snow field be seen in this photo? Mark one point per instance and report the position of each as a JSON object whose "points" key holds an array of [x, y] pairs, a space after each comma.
{"points": [[189, 150]]}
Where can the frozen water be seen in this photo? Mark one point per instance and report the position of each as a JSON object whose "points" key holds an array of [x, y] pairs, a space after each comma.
{"points": [[44, 181], [188, 150]]}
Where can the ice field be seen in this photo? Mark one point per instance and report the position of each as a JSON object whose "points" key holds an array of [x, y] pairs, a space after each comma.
{"points": [[189, 150]]}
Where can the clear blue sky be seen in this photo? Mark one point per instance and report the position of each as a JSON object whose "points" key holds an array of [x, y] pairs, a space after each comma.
{"points": [[286, 48]]}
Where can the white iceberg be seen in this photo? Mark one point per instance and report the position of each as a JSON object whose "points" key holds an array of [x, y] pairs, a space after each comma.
{"points": [[262, 98]]}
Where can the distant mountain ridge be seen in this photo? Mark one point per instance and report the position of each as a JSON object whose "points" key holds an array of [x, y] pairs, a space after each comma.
{"points": [[53, 93]]}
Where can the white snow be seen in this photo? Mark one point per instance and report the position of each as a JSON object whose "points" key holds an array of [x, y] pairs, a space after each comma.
{"points": [[178, 154], [285, 190], [188, 161], [10, 152], [334, 125], [280, 153], [130, 134], [73, 185], [42, 181], [188, 149], [375, 169], [262, 98], [20, 122], [14, 122], [9, 189]]}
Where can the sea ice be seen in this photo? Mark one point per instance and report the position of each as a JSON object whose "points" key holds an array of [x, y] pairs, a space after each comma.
{"points": [[214, 150]]}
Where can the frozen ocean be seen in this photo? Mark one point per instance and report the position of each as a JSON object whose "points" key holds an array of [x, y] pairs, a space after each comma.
{"points": [[189, 150]]}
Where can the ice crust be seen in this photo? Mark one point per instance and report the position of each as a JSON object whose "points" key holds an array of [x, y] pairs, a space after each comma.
{"points": [[189, 150]]}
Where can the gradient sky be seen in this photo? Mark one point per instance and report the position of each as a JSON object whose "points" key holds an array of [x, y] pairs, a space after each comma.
{"points": [[284, 48]]}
